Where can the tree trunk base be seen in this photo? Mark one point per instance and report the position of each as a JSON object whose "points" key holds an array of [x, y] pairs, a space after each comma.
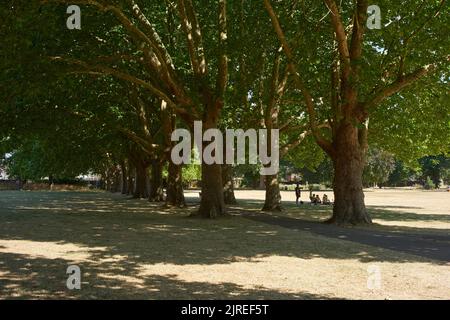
{"points": [[175, 192], [228, 184], [198, 215], [272, 202], [159, 198], [156, 193], [350, 211], [212, 204], [353, 222], [270, 208]]}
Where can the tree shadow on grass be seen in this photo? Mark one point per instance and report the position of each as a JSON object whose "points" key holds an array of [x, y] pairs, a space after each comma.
{"points": [[153, 233], [137, 233], [323, 212], [382, 213], [25, 277], [426, 242]]}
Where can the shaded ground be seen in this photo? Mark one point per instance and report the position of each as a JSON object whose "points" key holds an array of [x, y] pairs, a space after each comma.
{"points": [[425, 245], [424, 232], [133, 249], [400, 209]]}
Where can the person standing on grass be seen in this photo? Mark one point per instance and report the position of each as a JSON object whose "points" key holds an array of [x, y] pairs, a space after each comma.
{"points": [[298, 194]]}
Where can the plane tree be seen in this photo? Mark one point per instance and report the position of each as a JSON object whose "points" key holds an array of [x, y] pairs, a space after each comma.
{"points": [[190, 76], [355, 78]]}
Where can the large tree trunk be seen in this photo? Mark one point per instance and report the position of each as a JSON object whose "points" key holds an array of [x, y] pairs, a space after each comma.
{"points": [[156, 182], [212, 204], [141, 190], [273, 196], [175, 193], [228, 184], [349, 162]]}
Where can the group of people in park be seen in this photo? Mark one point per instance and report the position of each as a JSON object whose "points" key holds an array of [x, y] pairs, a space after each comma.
{"points": [[314, 198]]}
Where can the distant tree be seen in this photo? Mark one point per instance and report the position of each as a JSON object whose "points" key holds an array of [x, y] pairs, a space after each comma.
{"points": [[380, 164], [435, 168], [403, 175], [322, 174], [191, 173], [250, 175]]}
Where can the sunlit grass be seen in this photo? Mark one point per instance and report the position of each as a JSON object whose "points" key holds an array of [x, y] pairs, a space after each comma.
{"points": [[135, 249]]}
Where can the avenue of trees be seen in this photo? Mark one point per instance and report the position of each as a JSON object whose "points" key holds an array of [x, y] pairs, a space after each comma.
{"points": [[107, 97]]}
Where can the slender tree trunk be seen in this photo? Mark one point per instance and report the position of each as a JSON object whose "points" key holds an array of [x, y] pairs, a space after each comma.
{"points": [[228, 184], [116, 179], [349, 162], [124, 178], [141, 190], [156, 182], [175, 193], [20, 183], [273, 197], [130, 180], [107, 180]]}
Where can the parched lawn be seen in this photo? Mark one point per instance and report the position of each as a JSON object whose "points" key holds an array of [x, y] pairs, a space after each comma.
{"points": [[132, 249], [402, 210]]}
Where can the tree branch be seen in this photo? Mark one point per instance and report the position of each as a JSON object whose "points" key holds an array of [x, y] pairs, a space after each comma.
{"points": [[222, 75], [341, 38], [99, 69], [326, 145], [189, 30], [398, 85]]}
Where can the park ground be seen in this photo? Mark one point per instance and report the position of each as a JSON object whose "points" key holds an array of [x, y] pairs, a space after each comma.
{"points": [[132, 249]]}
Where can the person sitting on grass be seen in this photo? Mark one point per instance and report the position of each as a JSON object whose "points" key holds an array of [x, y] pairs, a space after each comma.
{"points": [[318, 201], [325, 200], [313, 198]]}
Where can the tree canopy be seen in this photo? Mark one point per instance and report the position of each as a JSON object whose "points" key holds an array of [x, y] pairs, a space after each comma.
{"points": [[107, 97]]}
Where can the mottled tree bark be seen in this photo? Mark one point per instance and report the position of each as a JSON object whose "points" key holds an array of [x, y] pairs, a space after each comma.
{"points": [[273, 197], [141, 190], [349, 161], [123, 178], [175, 192], [212, 204], [228, 184], [156, 182], [130, 180]]}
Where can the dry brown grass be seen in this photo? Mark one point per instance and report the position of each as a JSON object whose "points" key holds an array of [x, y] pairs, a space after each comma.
{"points": [[132, 249], [408, 210]]}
